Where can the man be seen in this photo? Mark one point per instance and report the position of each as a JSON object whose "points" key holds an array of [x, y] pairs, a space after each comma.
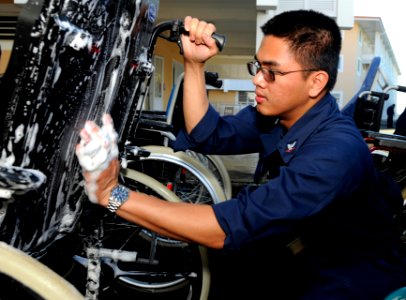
{"points": [[319, 227]]}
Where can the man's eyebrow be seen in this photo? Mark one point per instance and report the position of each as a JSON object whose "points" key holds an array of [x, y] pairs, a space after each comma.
{"points": [[266, 63]]}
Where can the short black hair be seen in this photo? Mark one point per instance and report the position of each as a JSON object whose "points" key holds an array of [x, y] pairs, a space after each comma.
{"points": [[314, 38]]}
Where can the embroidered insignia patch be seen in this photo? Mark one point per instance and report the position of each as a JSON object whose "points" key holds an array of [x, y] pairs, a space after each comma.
{"points": [[291, 147]]}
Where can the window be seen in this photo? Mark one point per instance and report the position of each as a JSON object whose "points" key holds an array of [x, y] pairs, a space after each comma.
{"points": [[246, 98], [359, 66], [360, 38], [341, 64], [157, 86], [329, 7], [339, 97]]}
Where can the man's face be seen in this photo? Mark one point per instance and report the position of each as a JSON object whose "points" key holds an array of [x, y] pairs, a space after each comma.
{"points": [[283, 95]]}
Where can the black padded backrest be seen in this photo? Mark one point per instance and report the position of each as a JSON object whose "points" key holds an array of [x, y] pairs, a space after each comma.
{"points": [[69, 64], [368, 110], [178, 120]]}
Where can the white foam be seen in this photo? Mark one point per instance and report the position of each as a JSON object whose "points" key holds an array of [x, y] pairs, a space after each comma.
{"points": [[97, 148]]}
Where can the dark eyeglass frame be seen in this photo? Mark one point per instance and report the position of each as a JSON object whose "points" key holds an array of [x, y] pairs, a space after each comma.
{"points": [[255, 66]]}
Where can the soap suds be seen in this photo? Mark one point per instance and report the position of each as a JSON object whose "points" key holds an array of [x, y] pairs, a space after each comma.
{"points": [[97, 148]]}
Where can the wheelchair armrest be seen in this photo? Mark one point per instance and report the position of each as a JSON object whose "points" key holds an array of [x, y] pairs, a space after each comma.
{"points": [[154, 115], [384, 140], [154, 125]]}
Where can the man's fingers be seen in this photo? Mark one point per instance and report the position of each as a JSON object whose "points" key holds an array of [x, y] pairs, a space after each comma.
{"points": [[98, 146], [92, 147], [208, 40], [108, 129], [107, 120], [186, 22], [200, 32], [91, 127], [84, 135]]}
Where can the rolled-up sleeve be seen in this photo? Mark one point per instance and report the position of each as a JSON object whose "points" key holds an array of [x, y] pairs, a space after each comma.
{"points": [[199, 134], [214, 134]]}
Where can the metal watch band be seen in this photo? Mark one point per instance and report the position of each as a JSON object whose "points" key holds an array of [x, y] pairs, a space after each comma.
{"points": [[118, 196], [113, 205]]}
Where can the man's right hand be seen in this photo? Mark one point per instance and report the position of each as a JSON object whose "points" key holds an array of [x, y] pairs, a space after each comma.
{"points": [[199, 45]]}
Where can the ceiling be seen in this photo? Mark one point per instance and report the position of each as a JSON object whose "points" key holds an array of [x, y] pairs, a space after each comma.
{"points": [[9, 9], [8, 20], [234, 18]]}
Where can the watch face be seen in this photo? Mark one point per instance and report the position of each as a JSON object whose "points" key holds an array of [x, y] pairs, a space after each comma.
{"points": [[119, 193]]}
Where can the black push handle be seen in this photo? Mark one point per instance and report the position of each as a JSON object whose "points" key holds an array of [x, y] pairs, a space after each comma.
{"points": [[402, 88], [219, 38]]}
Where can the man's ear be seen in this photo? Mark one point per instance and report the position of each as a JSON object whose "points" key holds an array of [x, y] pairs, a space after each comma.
{"points": [[318, 83]]}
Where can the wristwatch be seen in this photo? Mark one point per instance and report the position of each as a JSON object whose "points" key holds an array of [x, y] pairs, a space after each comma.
{"points": [[119, 195]]}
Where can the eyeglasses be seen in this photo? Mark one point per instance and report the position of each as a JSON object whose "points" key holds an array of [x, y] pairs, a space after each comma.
{"points": [[255, 66]]}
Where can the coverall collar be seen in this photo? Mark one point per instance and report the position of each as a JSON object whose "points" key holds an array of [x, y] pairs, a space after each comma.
{"points": [[288, 143]]}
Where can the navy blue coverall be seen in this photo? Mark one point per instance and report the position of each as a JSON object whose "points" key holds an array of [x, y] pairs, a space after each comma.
{"points": [[322, 195]]}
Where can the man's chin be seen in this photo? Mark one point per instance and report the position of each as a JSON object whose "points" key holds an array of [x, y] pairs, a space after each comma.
{"points": [[263, 111], [260, 108]]}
